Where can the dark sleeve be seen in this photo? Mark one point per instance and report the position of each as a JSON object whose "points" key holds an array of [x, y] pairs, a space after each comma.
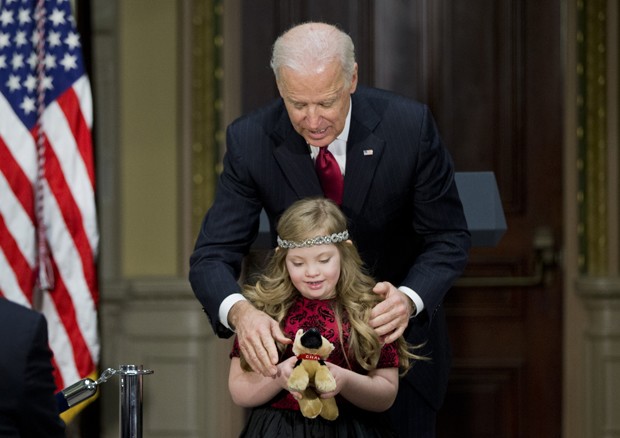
{"points": [[438, 219], [39, 412], [227, 232]]}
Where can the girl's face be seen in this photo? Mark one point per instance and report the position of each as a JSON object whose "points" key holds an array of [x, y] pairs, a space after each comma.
{"points": [[315, 270]]}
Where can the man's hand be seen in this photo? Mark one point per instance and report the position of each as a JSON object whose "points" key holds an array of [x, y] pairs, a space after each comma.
{"points": [[390, 317], [257, 333]]}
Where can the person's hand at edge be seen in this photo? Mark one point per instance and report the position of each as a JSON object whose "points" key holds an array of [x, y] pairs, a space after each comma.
{"points": [[257, 333], [390, 317]]}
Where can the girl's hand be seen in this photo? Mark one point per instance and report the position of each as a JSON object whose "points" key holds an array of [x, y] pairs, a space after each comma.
{"points": [[375, 391], [285, 368], [340, 375]]}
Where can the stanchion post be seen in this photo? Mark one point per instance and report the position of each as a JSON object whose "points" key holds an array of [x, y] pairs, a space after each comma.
{"points": [[131, 400]]}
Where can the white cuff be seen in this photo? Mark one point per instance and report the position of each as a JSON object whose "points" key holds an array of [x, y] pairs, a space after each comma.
{"points": [[419, 304], [226, 305]]}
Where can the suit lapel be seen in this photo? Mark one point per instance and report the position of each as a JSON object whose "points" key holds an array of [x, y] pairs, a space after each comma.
{"points": [[364, 151], [294, 160]]}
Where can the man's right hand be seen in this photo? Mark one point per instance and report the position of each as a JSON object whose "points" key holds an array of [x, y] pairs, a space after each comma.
{"points": [[256, 333]]}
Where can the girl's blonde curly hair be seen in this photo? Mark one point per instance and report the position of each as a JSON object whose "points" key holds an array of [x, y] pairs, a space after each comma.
{"points": [[274, 292]]}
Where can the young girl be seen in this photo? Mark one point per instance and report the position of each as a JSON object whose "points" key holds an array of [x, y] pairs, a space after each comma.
{"points": [[315, 279]]}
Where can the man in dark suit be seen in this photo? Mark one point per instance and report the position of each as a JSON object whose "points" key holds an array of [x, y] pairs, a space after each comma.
{"points": [[28, 407], [399, 196]]}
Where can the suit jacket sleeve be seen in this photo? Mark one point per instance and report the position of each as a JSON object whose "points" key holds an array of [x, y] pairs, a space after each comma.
{"points": [[405, 212], [228, 230], [438, 219], [39, 412]]}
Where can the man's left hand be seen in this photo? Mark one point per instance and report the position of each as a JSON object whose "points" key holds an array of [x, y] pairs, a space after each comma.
{"points": [[390, 317]]}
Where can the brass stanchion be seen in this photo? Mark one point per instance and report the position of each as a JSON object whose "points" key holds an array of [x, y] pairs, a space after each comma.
{"points": [[130, 396]]}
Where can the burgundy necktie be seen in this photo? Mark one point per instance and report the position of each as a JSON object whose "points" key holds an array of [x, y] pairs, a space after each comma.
{"points": [[329, 174]]}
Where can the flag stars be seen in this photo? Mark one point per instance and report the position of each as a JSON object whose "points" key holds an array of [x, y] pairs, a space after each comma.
{"points": [[49, 61], [4, 40], [6, 17], [47, 83], [35, 37], [30, 83], [57, 17], [24, 16], [13, 83], [69, 62], [20, 38], [27, 105], [32, 61], [72, 40], [23, 71], [54, 39], [17, 61]]}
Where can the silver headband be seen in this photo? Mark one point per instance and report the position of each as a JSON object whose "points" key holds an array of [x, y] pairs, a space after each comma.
{"points": [[318, 240]]}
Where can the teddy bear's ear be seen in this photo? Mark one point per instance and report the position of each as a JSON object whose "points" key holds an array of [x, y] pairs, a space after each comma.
{"points": [[299, 333], [330, 346]]}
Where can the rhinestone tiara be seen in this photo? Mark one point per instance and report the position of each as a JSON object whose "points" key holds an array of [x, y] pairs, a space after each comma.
{"points": [[318, 240]]}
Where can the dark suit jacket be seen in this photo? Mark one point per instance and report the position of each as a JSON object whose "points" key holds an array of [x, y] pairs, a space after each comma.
{"points": [[28, 407], [399, 195]]}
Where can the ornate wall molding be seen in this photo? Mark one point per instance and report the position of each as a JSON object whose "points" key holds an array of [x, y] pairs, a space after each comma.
{"points": [[598, 284], [592, 137], [206, 74]]}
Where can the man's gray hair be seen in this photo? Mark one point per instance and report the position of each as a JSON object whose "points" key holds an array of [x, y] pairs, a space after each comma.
{"points": [[310, 46]]}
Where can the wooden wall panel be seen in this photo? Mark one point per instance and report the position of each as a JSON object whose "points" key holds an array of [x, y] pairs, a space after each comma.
{"points": [[264, 21]]}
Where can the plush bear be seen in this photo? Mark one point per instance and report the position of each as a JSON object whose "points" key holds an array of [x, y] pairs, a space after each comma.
{"points": [[310, 376]]}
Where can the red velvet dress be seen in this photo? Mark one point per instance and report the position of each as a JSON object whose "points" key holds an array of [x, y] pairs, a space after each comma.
{"points": [[280, 417]]}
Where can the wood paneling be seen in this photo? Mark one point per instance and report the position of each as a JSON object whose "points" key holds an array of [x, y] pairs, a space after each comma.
{"points": [[264, 21]]}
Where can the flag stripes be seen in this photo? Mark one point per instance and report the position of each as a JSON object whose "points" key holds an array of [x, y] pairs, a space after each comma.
{"points": [[67, 189]]}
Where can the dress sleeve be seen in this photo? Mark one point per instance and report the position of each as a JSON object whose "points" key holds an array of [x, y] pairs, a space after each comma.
{"points": [[236, 351], [389, 356]]}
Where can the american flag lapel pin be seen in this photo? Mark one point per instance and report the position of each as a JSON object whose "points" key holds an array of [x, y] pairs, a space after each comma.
{"points": [[368, 152]]}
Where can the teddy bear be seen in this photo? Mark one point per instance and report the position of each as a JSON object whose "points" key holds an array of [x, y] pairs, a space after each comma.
{"points": [[310, 375]]}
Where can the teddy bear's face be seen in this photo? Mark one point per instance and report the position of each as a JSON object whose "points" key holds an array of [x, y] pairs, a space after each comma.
{"points": [[312, 342]]}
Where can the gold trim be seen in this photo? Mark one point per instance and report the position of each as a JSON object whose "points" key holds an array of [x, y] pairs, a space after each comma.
{"points": [[592, 136], [206, 76]]}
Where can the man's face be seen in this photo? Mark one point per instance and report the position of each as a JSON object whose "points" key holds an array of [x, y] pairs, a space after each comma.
{"points": [[317, 103]]}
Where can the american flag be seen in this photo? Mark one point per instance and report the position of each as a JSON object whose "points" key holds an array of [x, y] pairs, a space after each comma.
{"points": [[48, 226]]}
